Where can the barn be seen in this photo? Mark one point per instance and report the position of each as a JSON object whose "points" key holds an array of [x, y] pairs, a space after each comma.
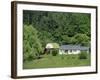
{"points": [[51, 47]]}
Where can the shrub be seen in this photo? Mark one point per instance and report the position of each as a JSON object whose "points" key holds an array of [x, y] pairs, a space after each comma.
{"points": [[30, 57], [83, 55], [54, 52]]}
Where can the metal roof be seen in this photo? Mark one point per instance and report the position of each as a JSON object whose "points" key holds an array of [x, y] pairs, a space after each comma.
{"points": [[73, 47]]}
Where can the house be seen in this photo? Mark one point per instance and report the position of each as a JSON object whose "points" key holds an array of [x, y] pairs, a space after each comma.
{"points": [[50, 47], [72, 49]]}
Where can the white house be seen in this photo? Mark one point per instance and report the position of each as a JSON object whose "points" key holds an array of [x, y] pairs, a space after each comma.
{"points": [[72, 49]]}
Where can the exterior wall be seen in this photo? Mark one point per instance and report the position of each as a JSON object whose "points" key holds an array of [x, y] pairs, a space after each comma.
{"points": [[62, 52], [69, 52], [74, 51]]}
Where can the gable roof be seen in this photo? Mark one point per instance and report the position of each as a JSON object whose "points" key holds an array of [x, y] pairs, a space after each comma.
{"points": [[52, 45], [73, 47]]}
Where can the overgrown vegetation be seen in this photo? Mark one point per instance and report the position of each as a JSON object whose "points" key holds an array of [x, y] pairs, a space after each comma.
{"points": [[49, 61], [32, 45], [55, 52], [83, 55]]}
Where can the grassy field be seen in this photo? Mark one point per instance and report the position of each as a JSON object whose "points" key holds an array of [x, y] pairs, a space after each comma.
{"points": [[49, 61]]}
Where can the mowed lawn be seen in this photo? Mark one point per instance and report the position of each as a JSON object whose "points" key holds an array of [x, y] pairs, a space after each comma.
{"points": [[49, 61]]}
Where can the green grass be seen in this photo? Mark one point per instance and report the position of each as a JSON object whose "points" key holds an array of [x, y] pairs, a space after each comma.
{"points": [[49, 61]]}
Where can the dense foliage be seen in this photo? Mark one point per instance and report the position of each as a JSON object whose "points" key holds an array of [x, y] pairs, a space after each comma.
{"points": [[83, 55], [32, 45], [58, 27]]}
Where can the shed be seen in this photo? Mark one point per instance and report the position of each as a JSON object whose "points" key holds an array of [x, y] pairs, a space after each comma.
{"points": [[51, 47]]}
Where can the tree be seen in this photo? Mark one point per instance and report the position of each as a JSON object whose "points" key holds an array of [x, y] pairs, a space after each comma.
{"points": [[59, 27], [31, 43], [82, 39], [66, 39]]}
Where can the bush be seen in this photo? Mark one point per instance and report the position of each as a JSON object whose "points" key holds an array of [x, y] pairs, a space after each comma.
{"points": [[83, 55], [54, 52], [30, 58]]}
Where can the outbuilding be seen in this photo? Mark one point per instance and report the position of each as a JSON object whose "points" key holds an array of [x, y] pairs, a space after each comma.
{"points": [[51, 47]]}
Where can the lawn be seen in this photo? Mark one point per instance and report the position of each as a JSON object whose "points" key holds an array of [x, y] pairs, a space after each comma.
{"points": [[49, 61]]}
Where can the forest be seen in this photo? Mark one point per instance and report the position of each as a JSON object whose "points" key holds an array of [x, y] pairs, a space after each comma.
{"points": [[42, 27]]}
